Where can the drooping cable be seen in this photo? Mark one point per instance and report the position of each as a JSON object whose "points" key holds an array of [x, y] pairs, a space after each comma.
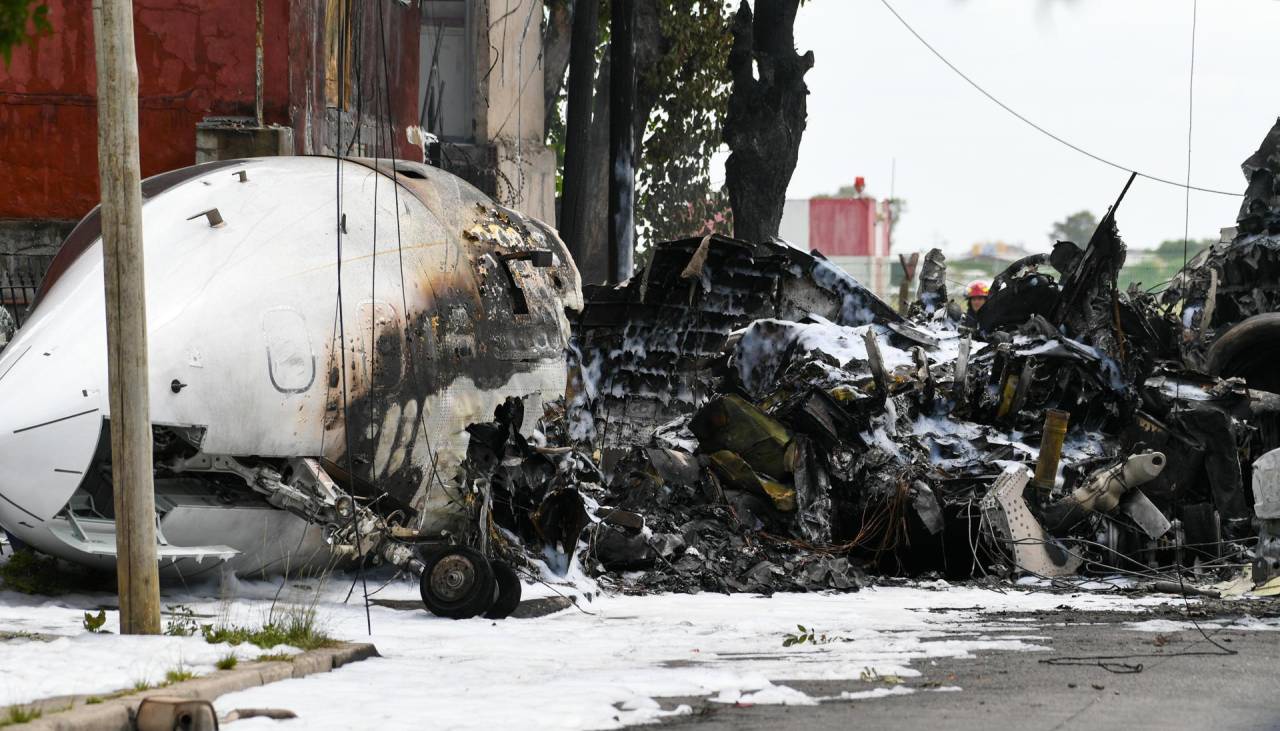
{"points": [[1187, 185], [434, 475], [1186, 233], [339, 225]]}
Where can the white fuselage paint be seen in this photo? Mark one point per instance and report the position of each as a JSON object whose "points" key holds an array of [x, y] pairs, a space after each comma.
{"points": [[246, 316]]}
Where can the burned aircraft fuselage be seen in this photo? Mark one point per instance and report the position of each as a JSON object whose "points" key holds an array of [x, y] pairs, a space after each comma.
{"points": [[329, 330]]}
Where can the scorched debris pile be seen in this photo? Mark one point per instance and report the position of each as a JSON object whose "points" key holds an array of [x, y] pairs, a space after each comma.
{"points": [[747, 417]]}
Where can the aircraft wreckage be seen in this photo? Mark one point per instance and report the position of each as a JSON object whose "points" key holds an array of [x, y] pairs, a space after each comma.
{"points": [[268, 454], [735, 417], [763, 423]]}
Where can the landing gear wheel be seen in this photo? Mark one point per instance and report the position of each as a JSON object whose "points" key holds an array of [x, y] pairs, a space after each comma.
{"points": [[458, 583], [508, 591]]}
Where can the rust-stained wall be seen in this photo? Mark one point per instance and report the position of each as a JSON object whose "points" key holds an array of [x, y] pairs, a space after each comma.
{"points": [[196, 58], [311, 111]]}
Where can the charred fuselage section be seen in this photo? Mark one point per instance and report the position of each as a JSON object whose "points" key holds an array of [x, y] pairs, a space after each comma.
{"points": [[315, 361]]}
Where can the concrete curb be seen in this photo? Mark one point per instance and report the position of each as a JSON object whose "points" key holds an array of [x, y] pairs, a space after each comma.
{"points": [[71, 713]]}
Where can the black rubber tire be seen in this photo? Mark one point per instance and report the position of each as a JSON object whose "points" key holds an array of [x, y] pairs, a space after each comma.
{"points": [[1247, 350], [457, 582], [509, 589]]}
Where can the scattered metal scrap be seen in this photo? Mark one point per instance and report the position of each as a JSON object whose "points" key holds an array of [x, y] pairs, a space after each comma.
{"points": [[746, 417]]}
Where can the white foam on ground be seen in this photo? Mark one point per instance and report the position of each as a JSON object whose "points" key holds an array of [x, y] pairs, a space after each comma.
{"points": [[601, 667]]}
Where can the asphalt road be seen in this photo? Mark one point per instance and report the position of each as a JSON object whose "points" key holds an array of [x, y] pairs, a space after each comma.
{"points": [[1015, 690]]}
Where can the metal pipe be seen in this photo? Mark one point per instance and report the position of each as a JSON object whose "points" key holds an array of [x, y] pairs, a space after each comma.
{"points": [[1055, 433], [1007, 391]]}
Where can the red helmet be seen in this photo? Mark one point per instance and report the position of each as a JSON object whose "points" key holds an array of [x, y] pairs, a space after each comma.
{"points": [[977, 288]]}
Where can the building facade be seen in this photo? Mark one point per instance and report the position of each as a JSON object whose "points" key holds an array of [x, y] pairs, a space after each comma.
{"points": [[854, 233], [236, 78]]}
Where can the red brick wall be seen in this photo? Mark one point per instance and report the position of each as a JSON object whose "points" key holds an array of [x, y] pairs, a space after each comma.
{"points": [[195, 58]]}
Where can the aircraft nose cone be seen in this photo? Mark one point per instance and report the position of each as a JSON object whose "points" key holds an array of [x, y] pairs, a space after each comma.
{"points": [[52, 386]]}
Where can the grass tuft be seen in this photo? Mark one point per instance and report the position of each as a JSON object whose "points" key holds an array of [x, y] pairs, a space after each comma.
{"points": [[92, 700], [20, 714], [297, 628], [226, 662], [276, 657], [141, 685], [31, 573], [177, 676]]}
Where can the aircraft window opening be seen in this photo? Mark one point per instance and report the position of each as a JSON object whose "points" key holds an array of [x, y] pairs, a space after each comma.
{"points": [[410, 173]]}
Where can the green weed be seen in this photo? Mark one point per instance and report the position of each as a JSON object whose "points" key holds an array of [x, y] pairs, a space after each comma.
{"points": [[20, 714], [182, 621], [177, 676], [31, 573], [93, 622], [806, 635], [297, 628]]}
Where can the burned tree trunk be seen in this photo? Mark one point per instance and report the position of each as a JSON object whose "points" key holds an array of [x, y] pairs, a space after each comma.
{"points": [[556, 44], [593, 256], [622, 140], [577, 205], [766, 115]]}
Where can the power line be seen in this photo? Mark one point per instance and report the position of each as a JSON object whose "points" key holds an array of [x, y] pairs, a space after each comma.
{"points": [[1187, 185], [1191, 100], [339, 225]]}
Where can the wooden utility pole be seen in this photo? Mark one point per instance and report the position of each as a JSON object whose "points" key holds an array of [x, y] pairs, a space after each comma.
{"points": [[119, 173]]}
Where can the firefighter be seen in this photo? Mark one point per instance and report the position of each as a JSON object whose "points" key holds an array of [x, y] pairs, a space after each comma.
{"points": [[976, 295]]}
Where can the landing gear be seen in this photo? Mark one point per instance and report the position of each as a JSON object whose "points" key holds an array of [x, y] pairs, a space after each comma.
{"points": [[508, 591], [458, 582]]}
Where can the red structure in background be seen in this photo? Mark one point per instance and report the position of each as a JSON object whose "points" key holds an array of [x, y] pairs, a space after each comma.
{"points": [[846, 227], [197, 59]]}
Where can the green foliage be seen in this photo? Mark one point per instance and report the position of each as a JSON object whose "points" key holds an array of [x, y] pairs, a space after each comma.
{"points": [[31, 573], [19, 22], [177, 675], [93, 622], [20, 714], [182, 622], [1152, 269], [871, 675], [276, 657], [1077, 228], [92, 700], [1174, 247], [556, 141], [675, 196], [806, 635], [297, 629], [141, 685], [227, 662], [897, 208]]}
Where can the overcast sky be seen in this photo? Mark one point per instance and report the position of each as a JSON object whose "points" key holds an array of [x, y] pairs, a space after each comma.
{"points": [[1109, 75]]}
